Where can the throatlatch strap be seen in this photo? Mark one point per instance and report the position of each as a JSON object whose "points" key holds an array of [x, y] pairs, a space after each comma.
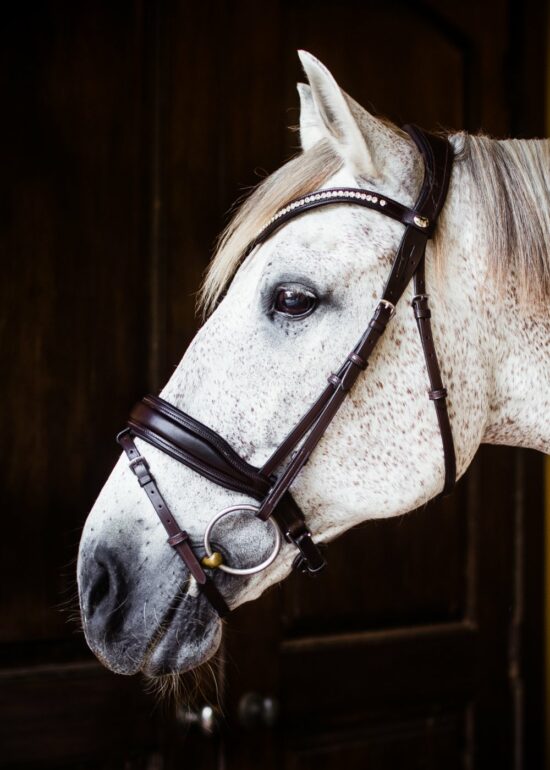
{"points": [[437, 392]]}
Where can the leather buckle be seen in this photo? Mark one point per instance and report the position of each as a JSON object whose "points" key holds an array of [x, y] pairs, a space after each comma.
{"points": [[420, 306], [380, 319], [388, 305], [140, 468], [310, 560], [301, 564]]}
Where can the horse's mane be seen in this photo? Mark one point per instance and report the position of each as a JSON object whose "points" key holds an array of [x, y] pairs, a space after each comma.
{"points": [[511, 185], [510, 180]]}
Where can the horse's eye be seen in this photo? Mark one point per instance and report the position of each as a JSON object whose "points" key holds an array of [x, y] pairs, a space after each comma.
{"points": [[295, 301]]}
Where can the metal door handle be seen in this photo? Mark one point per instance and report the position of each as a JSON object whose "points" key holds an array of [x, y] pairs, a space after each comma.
{"points": [[255, 710], [206, 718]]}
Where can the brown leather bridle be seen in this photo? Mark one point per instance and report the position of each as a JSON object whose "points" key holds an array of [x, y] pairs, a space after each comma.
{"points": [[197, 446]]}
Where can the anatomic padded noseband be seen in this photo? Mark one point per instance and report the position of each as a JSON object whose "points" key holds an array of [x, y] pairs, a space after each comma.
{"points": [[204, 451]]}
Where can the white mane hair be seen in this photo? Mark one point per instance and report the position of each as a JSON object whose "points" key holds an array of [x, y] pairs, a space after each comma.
{"points": [[511, 180], [511, 184]]}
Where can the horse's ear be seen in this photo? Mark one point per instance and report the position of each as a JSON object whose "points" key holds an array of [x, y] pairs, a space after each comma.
{"points": [[310, 126], [326, 112]]}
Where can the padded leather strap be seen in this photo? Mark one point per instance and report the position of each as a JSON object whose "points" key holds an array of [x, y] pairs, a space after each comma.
{"points": [[437, 155], [195, 445], [206, 452]]}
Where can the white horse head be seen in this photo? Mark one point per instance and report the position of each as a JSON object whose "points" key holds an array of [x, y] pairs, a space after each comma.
{"points": [[254, 368]]}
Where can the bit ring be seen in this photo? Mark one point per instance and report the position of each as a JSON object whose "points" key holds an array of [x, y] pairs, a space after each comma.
{"points": [[249, 570]]}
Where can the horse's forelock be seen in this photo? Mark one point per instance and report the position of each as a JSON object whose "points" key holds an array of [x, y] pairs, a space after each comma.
{"points": [[299, 176]]}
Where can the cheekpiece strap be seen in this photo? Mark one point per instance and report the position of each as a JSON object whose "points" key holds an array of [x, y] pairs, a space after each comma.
{"points": [[177, 538]]}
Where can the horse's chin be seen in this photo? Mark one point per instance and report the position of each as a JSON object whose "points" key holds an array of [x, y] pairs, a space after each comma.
{"points": [[179, 649], [186, 636]]}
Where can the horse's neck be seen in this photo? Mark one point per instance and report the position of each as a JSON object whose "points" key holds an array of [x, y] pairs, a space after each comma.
{"points": [[515, 334], [519, 412]]}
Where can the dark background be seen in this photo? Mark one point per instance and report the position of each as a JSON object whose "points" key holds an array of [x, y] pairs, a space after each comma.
{"points": [[128, 130]]}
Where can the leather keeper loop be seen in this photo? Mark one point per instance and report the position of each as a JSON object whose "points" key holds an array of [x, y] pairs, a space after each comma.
{"points": [[380, 326], [437, 395], [346, 380], [420, 307], [356, 359], [349, 377], [180, 537]]}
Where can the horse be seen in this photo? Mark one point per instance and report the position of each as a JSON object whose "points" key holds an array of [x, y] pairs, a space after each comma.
{"points": [[279, 317]]}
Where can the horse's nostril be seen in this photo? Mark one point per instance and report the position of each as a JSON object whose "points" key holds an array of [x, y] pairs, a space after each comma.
{"points": [[106, 591], [99, 590]]}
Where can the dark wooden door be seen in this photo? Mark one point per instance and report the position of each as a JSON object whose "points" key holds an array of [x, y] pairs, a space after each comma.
{"points": [[129, 129]]}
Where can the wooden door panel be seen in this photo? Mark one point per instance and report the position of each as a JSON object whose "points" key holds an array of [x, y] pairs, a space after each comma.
{"points": [[328, 677], [411, 570], [384, 54], [67, 289], [129, 131], [87, 710], [73, 332], [430, 742]]}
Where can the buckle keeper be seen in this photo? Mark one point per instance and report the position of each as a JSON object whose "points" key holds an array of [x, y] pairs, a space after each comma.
{"points": [[179, 537]]}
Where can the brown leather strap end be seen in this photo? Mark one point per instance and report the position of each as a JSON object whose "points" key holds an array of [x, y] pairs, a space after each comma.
{"points": [[421, 307]]}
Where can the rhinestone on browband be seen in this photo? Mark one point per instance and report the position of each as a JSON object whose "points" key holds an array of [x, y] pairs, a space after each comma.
{"points": [[337, 193]]}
